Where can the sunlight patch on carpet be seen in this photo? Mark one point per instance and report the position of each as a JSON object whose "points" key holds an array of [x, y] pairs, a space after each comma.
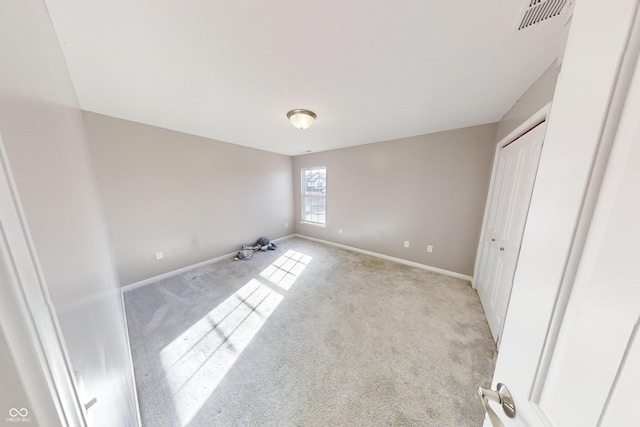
{"points": [[196, 361], [285, 270]]}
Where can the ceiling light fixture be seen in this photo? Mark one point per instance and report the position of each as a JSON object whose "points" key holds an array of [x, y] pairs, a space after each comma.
{"points": [[301, 118]]}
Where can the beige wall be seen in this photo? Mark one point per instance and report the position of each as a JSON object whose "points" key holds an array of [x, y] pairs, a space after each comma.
{"points": [[428, 189], [41, 126], [190, 197], [539, 94]]}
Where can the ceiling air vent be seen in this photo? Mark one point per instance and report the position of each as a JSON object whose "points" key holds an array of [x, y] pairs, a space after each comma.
{"points": [[539, 10]]}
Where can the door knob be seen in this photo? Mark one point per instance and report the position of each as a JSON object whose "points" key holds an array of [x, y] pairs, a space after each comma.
{"points": [[502, 396]]}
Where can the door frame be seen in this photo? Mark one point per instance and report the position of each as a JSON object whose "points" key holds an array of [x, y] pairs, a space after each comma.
{"points": [[28, 318], [538, 117]]}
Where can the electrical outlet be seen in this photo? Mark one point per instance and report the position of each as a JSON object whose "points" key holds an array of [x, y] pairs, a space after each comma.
{"points": [[159, 255], [340, 231], [429, 248], [406, 243]]}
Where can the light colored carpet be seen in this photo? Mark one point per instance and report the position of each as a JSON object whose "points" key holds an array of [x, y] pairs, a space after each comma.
{"points": [[309, 335]]}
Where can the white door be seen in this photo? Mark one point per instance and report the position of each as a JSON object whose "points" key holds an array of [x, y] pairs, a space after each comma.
{"points": [[570, 353], [510, 195], [44, 383]]}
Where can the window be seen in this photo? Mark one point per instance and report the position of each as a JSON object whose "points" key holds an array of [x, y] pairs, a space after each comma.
{"points": [[314, 195]]}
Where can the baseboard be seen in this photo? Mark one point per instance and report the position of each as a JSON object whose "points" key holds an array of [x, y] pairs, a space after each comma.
{"points": [[132, 286], [389, 258], [172, 273]]}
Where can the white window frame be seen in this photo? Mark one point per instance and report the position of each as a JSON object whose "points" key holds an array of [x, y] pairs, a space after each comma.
{"points": [[304, 197]]}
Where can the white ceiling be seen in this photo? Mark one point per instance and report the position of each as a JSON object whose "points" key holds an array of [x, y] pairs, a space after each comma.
{"points": [[372, 70]]}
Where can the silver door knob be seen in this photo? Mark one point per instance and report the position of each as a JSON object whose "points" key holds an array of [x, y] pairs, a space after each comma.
{"points": [[502, 396]]}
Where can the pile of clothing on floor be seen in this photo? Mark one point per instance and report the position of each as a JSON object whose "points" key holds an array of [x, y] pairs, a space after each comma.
{"points": [[247, 251]]}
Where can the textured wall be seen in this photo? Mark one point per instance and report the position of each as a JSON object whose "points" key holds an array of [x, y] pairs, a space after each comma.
{"points": [[428, 189], [43, 133], [190, 197]]}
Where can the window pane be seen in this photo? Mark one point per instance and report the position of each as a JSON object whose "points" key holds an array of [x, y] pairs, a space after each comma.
{"points": [[314, 190], [315, 181], [309, 210]]}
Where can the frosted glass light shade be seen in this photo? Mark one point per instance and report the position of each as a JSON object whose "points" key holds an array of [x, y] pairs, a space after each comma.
{"points": [[301, 119]]}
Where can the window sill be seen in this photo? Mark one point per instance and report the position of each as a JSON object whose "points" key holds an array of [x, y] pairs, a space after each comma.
{"points": [[313, 224]]}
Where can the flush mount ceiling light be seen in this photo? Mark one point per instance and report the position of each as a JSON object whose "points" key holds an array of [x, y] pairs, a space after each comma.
{"points": [[300, 118]]}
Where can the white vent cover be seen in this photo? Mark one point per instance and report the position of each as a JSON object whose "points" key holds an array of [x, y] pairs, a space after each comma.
{"points": [[539, 10]]}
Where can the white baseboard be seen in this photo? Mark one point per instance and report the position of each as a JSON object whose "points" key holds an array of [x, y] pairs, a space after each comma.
{"points": [[172, 273], [132, 286], [389, 258]]}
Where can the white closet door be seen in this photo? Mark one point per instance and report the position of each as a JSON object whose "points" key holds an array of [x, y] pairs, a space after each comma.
{"points": [[515, 176]]}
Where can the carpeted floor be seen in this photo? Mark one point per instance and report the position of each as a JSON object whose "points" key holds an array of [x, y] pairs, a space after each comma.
{"points": [[309, 335]]}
